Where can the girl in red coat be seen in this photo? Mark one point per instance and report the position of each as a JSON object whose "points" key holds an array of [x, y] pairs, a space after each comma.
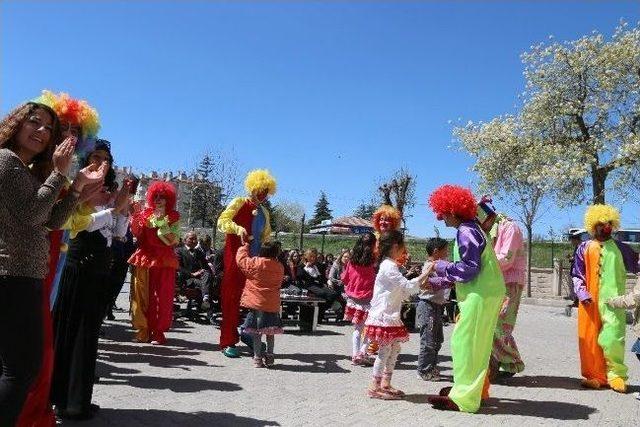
{"points": [[156, 229]]}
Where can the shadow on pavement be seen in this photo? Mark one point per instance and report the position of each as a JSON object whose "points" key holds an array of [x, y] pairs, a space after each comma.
{"points": [[176, 384], [135, 417], [316, 333], [408, 362], [541, 381], [538, 408], [527, 408], [311, 363]]}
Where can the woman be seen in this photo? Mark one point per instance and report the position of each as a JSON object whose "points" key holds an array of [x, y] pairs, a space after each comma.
{"points": [[28, 207], [84, 292], [291, 269], [310, 278], [336, 270]]}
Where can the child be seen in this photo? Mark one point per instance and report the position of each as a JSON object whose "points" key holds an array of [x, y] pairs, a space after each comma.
{"points": [[631, 300], [358, 277], [261, 296], [430, 311], [384, 324]]}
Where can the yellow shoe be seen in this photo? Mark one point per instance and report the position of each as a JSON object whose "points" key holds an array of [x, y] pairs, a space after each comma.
{"points": [[617, 384], [587, 383]]}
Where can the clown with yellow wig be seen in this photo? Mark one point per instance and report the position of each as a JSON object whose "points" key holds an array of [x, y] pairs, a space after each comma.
{"points": [[244, 220], [599, 273]]}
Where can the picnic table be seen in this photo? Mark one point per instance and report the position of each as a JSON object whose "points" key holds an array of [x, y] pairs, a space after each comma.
{"points": [[306, 300]]}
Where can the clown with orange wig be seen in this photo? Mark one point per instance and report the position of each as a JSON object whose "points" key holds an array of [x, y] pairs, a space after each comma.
{"points": [[599, 273], [386, 218], [244, 220], [157, 230], [479, 288]]}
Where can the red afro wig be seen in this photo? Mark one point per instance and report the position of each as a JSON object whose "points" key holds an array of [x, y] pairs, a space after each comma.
{"points": [[453, 199], [392, 214], [166, 191]]}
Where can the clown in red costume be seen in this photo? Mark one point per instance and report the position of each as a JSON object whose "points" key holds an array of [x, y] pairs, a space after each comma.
{"points": [[156, 228], [244, 220]]}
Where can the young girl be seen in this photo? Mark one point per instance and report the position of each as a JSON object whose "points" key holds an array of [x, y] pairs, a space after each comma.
{"points": [[384, 324], [631, 300], [358, 277], [261, 296]]}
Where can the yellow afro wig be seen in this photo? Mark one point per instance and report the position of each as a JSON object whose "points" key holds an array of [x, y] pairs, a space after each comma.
{"points": [[260, 180], [601, 214], [74, 111]]}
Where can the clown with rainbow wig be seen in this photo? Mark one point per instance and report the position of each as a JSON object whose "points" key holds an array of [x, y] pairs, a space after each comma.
{"points": [[599, 273], [244, 220], [480, 289]]}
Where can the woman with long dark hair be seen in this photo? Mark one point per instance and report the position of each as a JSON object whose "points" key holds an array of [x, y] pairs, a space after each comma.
{"points": [[28, 207]]}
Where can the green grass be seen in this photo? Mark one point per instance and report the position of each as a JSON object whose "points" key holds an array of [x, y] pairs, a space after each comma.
{"points": [[543, 252]]}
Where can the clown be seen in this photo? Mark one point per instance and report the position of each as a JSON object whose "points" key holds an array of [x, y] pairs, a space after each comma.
{"points": [[479, 288], [77, 119], [599, 273], [386, 218], [244, 220], [156, 228], [509, 248]]}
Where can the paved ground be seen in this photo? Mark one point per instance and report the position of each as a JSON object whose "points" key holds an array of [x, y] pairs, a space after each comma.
{"points": [[189, 382]]}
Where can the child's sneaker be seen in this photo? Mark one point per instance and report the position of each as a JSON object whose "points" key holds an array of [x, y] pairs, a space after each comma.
{"points": [[430, 375]]}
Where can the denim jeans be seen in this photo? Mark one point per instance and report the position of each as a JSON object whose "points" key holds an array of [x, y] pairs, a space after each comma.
{"points": [[429, 322]]}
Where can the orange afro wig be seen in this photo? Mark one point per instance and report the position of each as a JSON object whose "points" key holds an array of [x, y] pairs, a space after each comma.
{"points": [[390, 213], [166, 191], [453, 199]]}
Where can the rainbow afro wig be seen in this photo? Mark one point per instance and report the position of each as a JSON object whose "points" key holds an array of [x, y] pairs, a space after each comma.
{"points": [[259, 180], [73, 111], [601, 214], [390, 213], [453, 199]]}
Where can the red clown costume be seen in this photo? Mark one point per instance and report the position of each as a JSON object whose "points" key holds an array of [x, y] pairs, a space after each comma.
{"points": [[244, 219], [156, 228]]}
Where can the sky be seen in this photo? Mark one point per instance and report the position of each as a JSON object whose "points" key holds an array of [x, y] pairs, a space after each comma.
{"points": [[329, 96]]}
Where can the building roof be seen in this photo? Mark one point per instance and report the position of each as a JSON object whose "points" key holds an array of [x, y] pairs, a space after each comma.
{"points": [[343, 225]]}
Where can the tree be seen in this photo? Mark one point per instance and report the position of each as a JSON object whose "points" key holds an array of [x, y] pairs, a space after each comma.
{"points": [[580, 115], [205, 194], [502, 153], [400, 191], [366, 209], [322, 211], [210, 187], [286, 217]]}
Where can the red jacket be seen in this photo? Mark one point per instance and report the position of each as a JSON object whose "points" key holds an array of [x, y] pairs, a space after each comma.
{"points": [[264, 277], [358, 280]]}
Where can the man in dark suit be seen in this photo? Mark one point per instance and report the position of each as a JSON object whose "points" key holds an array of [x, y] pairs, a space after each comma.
{"points": [[194, 270]]}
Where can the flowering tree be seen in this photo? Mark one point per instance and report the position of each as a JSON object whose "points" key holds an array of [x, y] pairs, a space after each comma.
{"points": [[580, 118]]}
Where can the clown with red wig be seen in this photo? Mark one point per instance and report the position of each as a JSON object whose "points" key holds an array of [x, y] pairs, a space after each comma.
{"points": [[244, 220], [157, 230], [479, 288]]}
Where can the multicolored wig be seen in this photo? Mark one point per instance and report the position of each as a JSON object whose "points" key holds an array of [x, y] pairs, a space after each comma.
{"points": [[389, 212], [601, 214], [453, 199], [167, 191], [73, 111], [260, 180]]}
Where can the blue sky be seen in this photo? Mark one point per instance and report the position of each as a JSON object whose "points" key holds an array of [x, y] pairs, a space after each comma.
{"points": [[329, 96]]}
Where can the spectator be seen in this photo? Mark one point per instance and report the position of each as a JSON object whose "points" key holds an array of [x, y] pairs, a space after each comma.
{"points": [[336, 270], [291, 269], [193, 270], [309, 278], [329, 259], [28, 207]]}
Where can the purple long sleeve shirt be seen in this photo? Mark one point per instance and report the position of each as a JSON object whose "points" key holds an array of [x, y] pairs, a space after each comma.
{"points": [[471, 243], [578, 272]]}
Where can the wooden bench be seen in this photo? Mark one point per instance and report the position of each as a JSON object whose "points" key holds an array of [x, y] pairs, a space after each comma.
{"points": [[303, 300]]}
